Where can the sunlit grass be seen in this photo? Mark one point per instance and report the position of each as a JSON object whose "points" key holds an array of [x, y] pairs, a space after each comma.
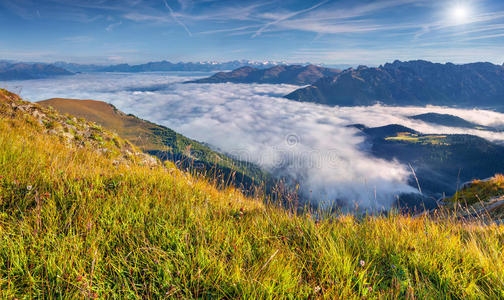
{"points": [[422, 139], [481, 190], [75, 224]]}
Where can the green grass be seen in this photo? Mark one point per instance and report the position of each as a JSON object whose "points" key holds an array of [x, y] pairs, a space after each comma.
{"points": [[76, 224], [480, 190]]}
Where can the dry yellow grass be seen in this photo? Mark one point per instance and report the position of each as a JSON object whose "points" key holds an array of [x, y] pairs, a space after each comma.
{"points": [[128, 127]]}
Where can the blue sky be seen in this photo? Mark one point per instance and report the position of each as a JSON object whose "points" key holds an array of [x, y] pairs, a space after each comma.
{"points": [[329, 31]]}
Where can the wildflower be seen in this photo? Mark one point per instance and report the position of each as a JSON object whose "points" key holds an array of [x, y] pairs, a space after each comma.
{"points": [[393, 266], [317, 289], [370, 289], [362, 263], [29, 187]]}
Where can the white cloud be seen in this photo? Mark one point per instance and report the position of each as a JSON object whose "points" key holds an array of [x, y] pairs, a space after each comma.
{"points": [[112, 26], [140, 17], [371, 56], [308, 142], [78, 39], [279, 19], [176, 19]]}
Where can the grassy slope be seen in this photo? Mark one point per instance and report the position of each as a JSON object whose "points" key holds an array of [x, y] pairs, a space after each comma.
{"points": [[75, 223], [159, 140], [102, 113], [481, 198], [481, 190]]}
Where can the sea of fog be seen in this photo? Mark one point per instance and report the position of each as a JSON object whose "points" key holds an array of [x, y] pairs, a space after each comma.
{"points": [[307, 142]]}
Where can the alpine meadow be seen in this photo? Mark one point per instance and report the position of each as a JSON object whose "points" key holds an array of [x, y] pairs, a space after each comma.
{"points": [[196, 149]]}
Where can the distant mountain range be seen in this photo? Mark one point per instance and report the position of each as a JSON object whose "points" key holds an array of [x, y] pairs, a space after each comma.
{"points": [[417, 83], [165, 66], [293, 74], [78, 68], [24, 71], [410, 83], [188, 66], [163, 142]]}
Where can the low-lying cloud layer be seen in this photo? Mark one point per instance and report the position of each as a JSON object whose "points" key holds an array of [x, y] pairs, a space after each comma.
{"points": [[307, 142]]}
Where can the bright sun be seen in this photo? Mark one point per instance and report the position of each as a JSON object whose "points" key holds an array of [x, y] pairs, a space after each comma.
{"points": [[460, 14]]}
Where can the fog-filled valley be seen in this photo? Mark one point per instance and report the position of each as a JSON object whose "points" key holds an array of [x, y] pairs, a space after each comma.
{"points": [[309, 144]]}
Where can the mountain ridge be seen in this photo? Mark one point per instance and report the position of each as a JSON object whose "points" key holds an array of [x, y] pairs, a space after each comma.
{"points": [[157, 66], [450, 121], [25, 71], [291, 74], [412, 83]]}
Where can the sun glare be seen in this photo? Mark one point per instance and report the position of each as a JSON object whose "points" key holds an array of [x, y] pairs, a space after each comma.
{"points": [[460, 14]]}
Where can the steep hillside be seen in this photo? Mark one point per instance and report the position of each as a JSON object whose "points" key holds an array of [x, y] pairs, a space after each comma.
{"points": [[293, 74], [75, 222], [23, 71], [70, 132], [163, 142], [411, 83]]}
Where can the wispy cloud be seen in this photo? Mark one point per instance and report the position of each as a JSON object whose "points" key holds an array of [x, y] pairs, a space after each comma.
{"points": [[140, 17], [484, 37], [331, 20], [241, 28], [176, 19], [380, 55], [482, 22], [324, 27], [112, 26], [185, 4], [78, 39], [54, 9], [286, 17], [272, 29], [224, 14]]}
